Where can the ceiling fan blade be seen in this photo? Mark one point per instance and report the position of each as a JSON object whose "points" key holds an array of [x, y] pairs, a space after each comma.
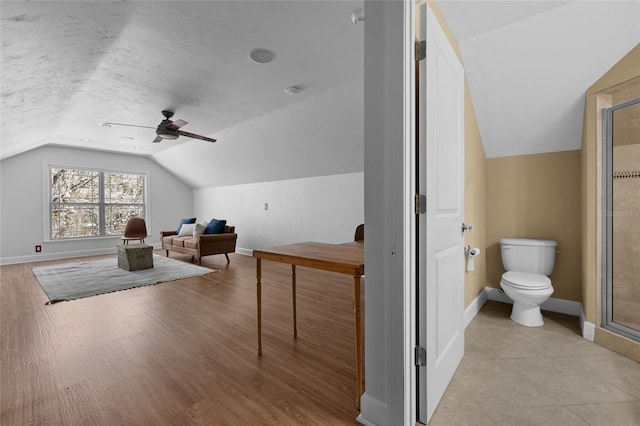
{"points": [[157, 139], [193, 135], [176, 124], [109, 124]]}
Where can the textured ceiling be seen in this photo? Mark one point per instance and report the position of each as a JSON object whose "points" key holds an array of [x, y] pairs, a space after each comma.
{"points": [[69, 66]]}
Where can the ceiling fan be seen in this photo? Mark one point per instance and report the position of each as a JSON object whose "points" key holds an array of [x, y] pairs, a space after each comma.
{"points": [[167, 129]]}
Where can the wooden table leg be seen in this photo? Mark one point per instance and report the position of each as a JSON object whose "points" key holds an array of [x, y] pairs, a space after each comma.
{"points": [[293, 291], [259, 303], [357, 327]]}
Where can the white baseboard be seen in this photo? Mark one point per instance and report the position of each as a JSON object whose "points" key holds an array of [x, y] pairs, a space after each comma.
{"points": [[474, 307], [62, 255], [373, 412], [562, 306], [246, 252], [497, 295], [588, 328]]}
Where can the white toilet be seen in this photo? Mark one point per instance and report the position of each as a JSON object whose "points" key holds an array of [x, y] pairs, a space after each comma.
{"points": [[528, 263]]}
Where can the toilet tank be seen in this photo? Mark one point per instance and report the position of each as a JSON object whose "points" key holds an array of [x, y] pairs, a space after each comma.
{"points": [[528, 255]]}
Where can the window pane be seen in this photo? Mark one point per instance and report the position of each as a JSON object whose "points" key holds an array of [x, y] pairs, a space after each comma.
{"points": [[87, 203], [75, 186], [117, 216], [72, 221], [123, 188]]}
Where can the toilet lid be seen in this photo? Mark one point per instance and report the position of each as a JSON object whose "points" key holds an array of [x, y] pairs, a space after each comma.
{"points": [[526, 281]]}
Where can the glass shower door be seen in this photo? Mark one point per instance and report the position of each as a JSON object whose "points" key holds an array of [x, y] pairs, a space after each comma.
{"points": [[621, 165]]}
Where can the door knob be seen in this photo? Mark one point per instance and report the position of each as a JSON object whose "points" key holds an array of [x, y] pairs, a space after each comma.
{"points": [[467, 228]]}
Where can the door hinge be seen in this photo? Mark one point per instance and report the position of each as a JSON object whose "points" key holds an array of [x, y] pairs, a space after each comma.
{"points": [[421, 356], [420, 203], [421, 50]]}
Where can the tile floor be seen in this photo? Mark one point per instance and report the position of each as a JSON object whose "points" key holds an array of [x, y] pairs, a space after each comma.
{"points": [[549, 375]]}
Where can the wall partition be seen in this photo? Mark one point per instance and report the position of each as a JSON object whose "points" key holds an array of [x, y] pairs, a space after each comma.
{"points": [[621, 218]]}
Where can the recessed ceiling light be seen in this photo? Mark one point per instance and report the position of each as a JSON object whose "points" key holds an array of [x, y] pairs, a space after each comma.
{"points": [[261, 56]]}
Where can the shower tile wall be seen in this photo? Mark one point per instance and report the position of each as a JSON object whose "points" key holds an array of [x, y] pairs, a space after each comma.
{"points": [[626, 230]]}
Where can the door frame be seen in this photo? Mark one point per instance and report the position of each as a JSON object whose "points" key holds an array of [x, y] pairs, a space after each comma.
{"points": [[409, 217], [607, 242]]}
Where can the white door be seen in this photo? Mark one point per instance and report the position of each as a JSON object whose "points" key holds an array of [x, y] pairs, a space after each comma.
{"points": [[440, 158]]}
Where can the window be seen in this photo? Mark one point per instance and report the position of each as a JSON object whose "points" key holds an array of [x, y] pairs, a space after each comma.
{"points": [[93, 203]]}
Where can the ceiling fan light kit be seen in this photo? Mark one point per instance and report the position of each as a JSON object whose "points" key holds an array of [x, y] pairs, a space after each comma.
{"points": [[165, 133]]}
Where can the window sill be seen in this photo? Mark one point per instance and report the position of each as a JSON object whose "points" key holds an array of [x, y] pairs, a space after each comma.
{"points": [[75, 240]]}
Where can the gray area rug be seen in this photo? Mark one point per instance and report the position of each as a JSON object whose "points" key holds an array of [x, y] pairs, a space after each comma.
{"points": [[67, 281]]}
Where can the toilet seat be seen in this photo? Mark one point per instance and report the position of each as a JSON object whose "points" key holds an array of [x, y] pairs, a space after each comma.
{"points": [[526, 281]]}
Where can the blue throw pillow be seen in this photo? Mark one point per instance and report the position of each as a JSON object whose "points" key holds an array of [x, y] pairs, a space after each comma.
{"points": [[215, 226], [183, 221]]}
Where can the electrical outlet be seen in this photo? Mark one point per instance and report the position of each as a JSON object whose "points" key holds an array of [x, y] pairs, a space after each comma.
{"points": [[38, 248]]}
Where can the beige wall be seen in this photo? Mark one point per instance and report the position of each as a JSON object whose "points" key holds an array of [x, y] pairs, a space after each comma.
{"points": [[475, 183], [475, 201], [537, 196]]}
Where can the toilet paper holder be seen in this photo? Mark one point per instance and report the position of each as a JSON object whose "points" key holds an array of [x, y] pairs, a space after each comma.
{"points": [[470, 251]]}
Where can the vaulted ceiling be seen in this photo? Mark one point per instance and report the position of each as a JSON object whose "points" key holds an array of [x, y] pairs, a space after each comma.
{"points": [[67, 67], [529, 64]]}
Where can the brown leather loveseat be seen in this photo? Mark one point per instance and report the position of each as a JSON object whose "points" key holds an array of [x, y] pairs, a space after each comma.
{"points": [[201, 245]]}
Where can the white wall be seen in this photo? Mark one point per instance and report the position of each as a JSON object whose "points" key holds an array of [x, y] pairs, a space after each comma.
{"points": [[22, 202], [386, 197], [317, 134], [326, 209]]}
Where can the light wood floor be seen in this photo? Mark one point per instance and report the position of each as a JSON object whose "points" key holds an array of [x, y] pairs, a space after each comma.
{"points": [[185, 353], [182, 352]]}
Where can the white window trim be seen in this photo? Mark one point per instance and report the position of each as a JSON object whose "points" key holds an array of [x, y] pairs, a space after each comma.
{"points": [[46, 198]]}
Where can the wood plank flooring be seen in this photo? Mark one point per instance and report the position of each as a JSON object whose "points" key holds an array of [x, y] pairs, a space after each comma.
{"points": [[183, 352]]}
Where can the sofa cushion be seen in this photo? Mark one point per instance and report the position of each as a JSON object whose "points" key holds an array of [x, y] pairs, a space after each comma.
{"points": [[168, 240], [215, 226], [186, 220], [179, 241], [191, 243], [199, 228], [186, 229]]}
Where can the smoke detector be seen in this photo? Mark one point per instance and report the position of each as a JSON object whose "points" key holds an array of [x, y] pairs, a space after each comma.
{"points": [[292, 90], [357, 16]]}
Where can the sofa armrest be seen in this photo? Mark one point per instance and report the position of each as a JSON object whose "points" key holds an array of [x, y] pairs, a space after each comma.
{"points": [[167, 233], [216, 243]]}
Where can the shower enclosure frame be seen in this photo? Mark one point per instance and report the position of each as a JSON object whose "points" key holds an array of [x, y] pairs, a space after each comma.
{"points": [[607, 223]]}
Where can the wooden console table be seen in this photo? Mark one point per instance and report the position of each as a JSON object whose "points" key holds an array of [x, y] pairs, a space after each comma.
{"points": [[345, 258]]}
